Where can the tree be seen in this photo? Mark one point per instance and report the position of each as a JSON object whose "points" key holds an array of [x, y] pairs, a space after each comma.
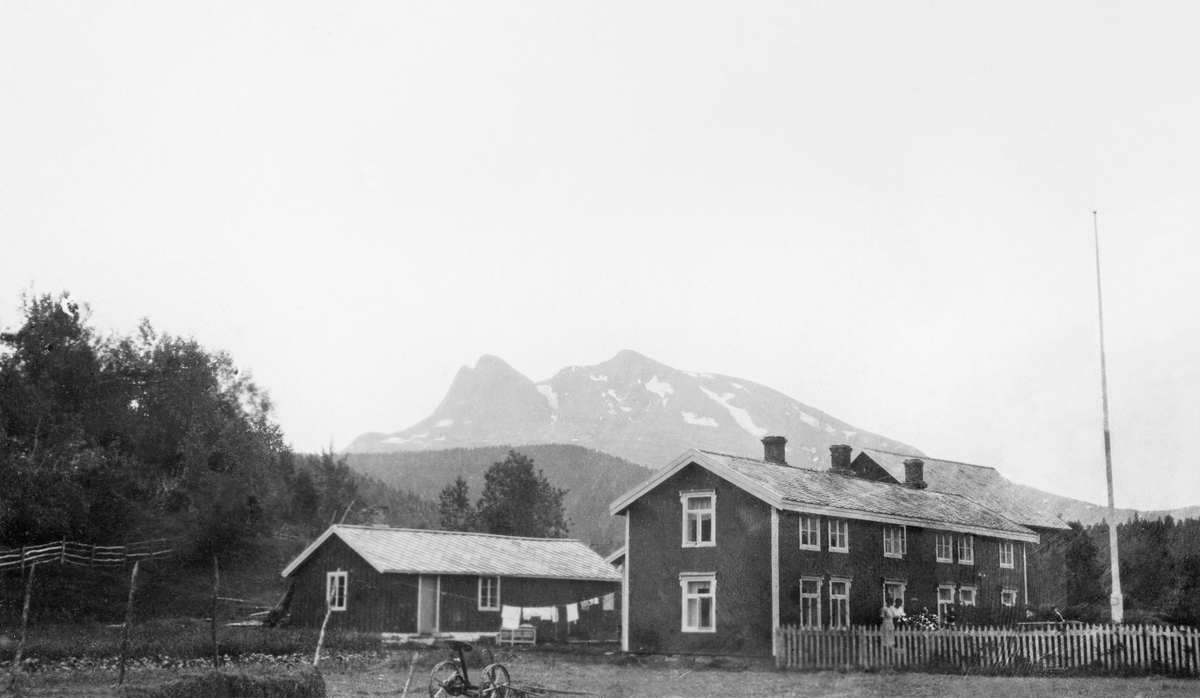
{"points": [[1086, 595], [518, 501], [455, 512]]}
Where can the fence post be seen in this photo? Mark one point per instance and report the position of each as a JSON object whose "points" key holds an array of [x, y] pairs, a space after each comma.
{"points": [[216, 590], [128, 625], [321, 637], [16, 665]]}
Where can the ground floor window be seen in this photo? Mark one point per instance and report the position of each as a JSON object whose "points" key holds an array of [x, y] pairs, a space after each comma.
{"points": [[945, 603], [892, 590], [335, 590], [1008, 597], [839, 603], [489, 593], [966, 596], [810, 602], [699, 603]]}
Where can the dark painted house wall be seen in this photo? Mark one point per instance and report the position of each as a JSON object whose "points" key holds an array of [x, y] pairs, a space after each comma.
{"points": [[741, 561]]}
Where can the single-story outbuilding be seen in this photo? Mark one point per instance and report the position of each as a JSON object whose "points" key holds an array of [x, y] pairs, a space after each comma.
{"points": [[420, 582]]}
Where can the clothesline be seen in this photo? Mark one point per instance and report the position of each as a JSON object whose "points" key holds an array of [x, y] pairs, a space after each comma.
{"points": [[512, 616]]}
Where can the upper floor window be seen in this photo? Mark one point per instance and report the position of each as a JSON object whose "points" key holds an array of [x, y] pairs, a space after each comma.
{"points": [[489, 593], [699, 519], [810, 602], [839, 603], [966, 550], [1006, 553], [699, 603], [335, 590], [839, 536], [894, 541], [810, 532], [943, 547]]}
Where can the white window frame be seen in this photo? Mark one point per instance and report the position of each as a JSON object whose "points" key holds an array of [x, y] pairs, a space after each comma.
{"points": [[893, 583], [966, 549], [815, 598], [944, 603], [839, 530], [895, 545], [814, 529], [1010, 594], [688, 596], [845, 616], [337, 589], [688, 514], [1006, 552], [968, 589], [944, 541], [486, 585]]}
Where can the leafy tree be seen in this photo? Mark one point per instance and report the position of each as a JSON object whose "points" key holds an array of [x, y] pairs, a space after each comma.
{"points": [[518, 501], [455, 512], [1086, 595]]}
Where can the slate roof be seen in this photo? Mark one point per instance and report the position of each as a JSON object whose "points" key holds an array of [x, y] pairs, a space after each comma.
{"points": [[978, 483], [822, 488], [409, 551]]}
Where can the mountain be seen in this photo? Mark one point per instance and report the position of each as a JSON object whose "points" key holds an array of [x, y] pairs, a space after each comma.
{"points": [[1086, 513], [630, 406], [592, 480]]}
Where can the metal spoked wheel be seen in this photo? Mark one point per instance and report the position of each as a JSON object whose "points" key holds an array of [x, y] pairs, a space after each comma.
{"points": [[495, 682], [445, 681]]}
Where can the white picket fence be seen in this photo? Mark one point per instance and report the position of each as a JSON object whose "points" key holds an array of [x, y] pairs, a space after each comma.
{"points": [[1136, 649], [67, 552]]}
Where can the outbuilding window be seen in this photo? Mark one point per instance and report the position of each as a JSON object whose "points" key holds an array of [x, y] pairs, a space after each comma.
{"points": [[335, 590], [699, 519], [699, 602], [489, 593]]}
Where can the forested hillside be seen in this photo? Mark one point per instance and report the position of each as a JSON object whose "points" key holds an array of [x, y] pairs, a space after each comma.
{"points": [[592, 480]]}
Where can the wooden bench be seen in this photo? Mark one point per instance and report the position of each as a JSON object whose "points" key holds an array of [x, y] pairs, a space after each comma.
{"points": [[524, 635]]}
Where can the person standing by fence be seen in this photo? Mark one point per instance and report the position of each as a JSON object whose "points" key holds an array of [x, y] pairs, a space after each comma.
{"points": [[891, 611]]}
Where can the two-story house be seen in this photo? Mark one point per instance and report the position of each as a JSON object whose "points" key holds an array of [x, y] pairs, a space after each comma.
{"points": [[720, 550]]}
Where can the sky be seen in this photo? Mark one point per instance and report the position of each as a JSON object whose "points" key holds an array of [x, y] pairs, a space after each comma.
{"points": [[883, 210]]}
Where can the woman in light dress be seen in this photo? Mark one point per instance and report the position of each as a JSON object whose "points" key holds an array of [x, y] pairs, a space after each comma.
{"points": [[890, 613]]}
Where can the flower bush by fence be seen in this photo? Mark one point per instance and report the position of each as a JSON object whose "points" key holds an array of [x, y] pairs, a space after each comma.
{"points": [[1118, 649]]}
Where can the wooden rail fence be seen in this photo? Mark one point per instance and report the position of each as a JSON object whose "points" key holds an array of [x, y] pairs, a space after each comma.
{"points": [[1125, 649], [67, 552]]}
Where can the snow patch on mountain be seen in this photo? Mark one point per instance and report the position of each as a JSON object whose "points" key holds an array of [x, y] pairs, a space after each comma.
{"points": [[598, 378], [549, 393], [741, 416], [444, 423], [691, 418], [662, 389], [809, 420]]}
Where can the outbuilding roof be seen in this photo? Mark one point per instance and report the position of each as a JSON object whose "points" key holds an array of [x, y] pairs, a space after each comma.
{"points": [[978, 483], [411, 551], [828, 493]]}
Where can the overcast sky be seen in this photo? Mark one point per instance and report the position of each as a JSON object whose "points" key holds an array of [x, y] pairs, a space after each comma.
{"points": [[883, 210]]}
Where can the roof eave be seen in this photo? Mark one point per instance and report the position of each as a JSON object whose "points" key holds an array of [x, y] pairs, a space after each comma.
{"points": [[693, 455]]}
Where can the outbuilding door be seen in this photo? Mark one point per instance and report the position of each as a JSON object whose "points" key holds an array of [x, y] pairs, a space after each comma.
{"points": [[427, 605]]}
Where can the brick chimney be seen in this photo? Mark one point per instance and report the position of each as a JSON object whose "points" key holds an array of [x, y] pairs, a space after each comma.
{"points": [[839, 458], [775, 449], [914, 473]]}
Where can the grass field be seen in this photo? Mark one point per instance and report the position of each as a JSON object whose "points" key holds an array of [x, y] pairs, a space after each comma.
{"points": [[382, 673]]}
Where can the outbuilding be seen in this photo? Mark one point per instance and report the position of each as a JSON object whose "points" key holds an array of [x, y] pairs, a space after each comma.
{"points": [[422, 582]]}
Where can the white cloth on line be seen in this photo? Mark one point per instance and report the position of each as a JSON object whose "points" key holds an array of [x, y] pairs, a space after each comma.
{"points": [[510, 616], [572, 613], [609, 603]]}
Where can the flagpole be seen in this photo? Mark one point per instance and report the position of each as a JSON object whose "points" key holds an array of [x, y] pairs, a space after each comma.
{"points": [[1116, 600]]}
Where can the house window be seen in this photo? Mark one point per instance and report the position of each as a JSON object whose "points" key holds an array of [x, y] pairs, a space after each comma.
{"points": [[699, 514], [892, 590], [810, 532], [839, 536], [335, 590], [945, 602], [699, 603], [966, 595], [810, 602], [839, 603], [489, 593], [943, 548], [1006, 553], [1008, 597], [966, 550], [894, 541]]}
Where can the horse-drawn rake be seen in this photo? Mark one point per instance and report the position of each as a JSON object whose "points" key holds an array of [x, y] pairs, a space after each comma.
{"points": [[450, 678]]}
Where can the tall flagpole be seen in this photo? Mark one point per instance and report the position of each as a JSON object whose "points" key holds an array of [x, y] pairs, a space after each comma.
{"points": [[1115, 600]]}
